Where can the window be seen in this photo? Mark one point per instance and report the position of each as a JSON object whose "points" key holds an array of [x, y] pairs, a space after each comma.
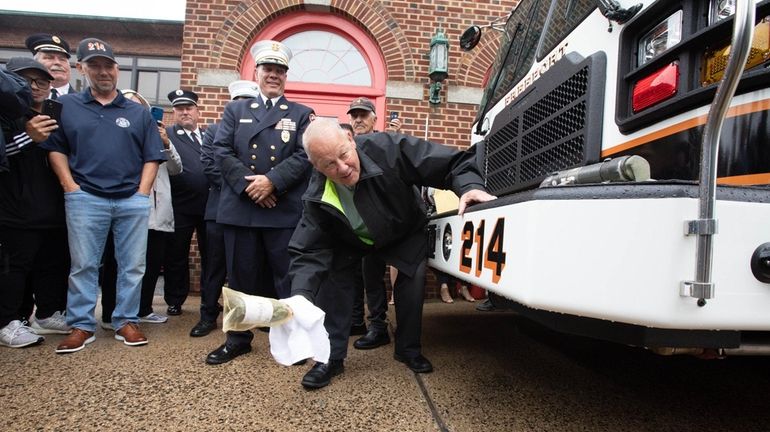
{"points": [[326, 58], [565, 16], [153, 77]]}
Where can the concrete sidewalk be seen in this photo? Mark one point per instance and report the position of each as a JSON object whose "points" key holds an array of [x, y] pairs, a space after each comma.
{"points": [[166, 385]]}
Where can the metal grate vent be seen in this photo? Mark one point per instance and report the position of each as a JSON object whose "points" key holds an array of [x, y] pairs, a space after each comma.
{"points": [[529, 141]]}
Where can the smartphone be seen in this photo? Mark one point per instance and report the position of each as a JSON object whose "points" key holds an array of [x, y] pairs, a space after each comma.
{"points": [[157, 114], [52, 109], [393, 115]]}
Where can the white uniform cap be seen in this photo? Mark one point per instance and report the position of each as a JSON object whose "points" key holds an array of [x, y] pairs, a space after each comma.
{"points": [[243, 88], [271, 52]]}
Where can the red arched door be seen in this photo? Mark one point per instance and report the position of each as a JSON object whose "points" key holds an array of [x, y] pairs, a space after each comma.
{"points": [[333, 62]]}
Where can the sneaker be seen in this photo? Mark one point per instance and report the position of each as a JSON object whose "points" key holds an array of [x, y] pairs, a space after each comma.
{"points": [[130, 335], [153, 318], [18, 335], [55, 324], [76, 341], [486, 306]]}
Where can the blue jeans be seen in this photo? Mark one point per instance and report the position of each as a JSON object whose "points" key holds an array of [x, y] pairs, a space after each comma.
{"points": [[89, 219]]}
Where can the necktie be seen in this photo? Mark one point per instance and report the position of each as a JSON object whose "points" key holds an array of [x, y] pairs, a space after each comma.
{"points": [[194, 137], [54, 94], [269, 104]]}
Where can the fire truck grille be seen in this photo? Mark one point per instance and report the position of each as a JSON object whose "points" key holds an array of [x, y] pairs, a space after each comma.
{"points": [[547, 131]]}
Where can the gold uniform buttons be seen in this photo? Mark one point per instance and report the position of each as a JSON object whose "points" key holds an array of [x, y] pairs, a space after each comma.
{"points": [[253, 146], [252, 167], [272, 147], [253, 157], [272, 158]]}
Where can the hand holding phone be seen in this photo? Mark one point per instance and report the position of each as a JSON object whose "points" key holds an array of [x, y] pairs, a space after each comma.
{"points": [[394, 124], [157, 114], [52, 109]]}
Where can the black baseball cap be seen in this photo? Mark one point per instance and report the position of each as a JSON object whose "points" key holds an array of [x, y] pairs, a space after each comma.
{"points": [[92, 47], [18, 64]]}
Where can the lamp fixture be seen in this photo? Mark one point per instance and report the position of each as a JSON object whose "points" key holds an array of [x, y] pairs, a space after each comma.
{"points": [[438, 69]]}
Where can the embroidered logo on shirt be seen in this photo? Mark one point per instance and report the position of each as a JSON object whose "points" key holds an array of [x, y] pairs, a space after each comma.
{"points": [[122, 122]]}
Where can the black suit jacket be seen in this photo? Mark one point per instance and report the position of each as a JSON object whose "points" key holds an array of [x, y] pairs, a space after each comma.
{"points": [[190, 188], [211, 169]]}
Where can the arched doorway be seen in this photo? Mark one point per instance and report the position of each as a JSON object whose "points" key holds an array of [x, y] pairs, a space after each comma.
{"points": [[334, 61]]}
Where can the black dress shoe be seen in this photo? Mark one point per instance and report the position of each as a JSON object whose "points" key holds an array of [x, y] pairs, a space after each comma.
{"points": [[224, 354], [203, 328], [418, 363], [373, 339], [358, 329], [320, 375], [174, 310]]}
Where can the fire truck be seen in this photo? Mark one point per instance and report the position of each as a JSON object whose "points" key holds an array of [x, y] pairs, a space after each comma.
{"points": [[629, 147]]}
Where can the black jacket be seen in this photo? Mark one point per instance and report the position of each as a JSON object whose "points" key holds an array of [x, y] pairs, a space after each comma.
{"points": [[30, 194], [388, 201]]}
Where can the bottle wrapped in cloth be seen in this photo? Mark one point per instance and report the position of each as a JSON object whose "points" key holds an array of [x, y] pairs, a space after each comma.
{"points": [[296, 325], [244, 312]]}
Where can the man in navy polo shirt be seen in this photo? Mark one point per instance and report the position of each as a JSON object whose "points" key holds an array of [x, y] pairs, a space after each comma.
{"points": [[106, 154]]}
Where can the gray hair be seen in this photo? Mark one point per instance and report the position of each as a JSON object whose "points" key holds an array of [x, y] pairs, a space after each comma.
{"points": [[321, 127]]}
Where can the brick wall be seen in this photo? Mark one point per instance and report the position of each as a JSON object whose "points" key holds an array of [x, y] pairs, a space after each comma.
{"points": [[217, 32]]}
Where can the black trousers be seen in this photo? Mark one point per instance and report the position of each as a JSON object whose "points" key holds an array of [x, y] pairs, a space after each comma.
{"points": [[156, 250], [336, 299], [176, 266], [36, 262], [374, 270], [216, 273], [257, 264]]}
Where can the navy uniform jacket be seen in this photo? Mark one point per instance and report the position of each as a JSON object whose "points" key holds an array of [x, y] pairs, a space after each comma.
{"points": [[190, 188], [211, 169], [252, 140]]}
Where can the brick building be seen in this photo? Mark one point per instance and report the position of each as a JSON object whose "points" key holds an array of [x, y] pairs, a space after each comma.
{"points": [[344, 49], [380, 50]]}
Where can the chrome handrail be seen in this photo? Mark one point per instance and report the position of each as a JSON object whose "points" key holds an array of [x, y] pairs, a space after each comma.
{"points": [[706, 226]]}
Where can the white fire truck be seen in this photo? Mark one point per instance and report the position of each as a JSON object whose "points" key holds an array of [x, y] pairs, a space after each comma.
{"points": [[629, 146]]}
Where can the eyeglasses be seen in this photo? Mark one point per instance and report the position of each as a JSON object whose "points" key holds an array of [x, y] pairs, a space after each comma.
{"points": [[41, 83]]}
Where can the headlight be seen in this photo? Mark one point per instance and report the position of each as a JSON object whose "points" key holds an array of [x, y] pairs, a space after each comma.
{"points": [[660, 38], [720, 9]]}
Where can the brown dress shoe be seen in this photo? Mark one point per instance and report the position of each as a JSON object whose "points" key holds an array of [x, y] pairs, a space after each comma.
{"points": [[131, 335], [76, 341]]}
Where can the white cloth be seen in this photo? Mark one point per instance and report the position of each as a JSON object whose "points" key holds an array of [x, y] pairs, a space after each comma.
{"points": [[303, 336]]}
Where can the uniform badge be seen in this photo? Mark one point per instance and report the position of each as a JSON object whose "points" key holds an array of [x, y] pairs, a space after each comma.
{"points": [[254, 105], [180, 132], [56, 39], [285, 135], [122, 122], [284, 107], [179, 92]]}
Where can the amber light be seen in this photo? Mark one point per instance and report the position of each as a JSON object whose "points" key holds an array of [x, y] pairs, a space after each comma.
{"points": [[659, 86]]}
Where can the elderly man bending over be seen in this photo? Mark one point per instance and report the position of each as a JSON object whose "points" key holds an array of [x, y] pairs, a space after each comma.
{"points": [[362, 201]]}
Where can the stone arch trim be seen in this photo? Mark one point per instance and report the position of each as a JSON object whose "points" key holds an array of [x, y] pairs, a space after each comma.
{"points": [[248, 18]]}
